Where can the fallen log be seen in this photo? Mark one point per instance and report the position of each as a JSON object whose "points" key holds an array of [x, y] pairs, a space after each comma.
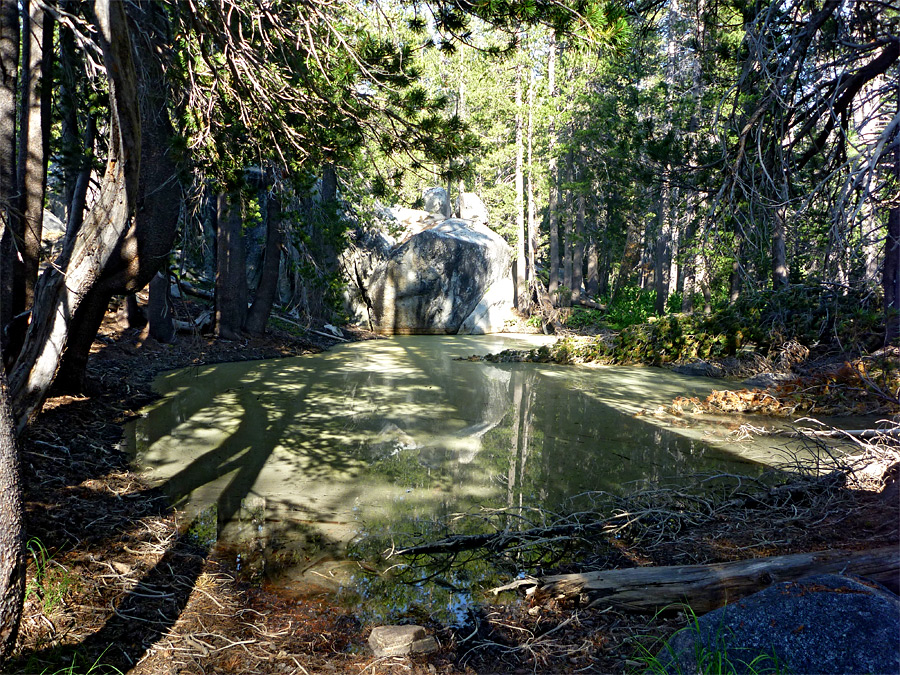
{"points": [[707, 587]]}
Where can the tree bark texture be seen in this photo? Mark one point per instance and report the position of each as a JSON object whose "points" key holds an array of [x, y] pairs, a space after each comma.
{"points": [[145, 247], [553, 204], [522, 295], [9, 66], [707, 587], [159, 311], [34, 140], [231, 270], [61, 288], [12, 530], [264, 297], [891, 277], [578, 250]]}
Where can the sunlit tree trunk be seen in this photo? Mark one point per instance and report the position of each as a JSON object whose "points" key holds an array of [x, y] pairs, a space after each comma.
{"points": [[521, 241], [578, 249], [532, 207], [552, 206]]}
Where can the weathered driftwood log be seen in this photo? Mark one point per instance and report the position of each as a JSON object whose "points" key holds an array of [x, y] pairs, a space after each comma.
{"points": [[707, 587]]}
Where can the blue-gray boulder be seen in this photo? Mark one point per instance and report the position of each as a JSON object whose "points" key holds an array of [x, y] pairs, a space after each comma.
{"points": [[819, 624]]}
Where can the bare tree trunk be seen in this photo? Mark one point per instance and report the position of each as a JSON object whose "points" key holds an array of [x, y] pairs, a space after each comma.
{"points": [[578, 250], [532, 207], [34, 135], [12, 530], [9, 66], [891, 276], [159, 310], [522, 295], [553, 202], [268, 280], [734, 281], [592, 283], [231, 270], [568, 243], [779, 249], [663, 253], [145, 247], [60, 289]]}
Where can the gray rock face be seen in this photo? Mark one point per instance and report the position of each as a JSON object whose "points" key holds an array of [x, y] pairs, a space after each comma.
{"points": [[820, 624], [401, 640], [470, 207], [436, 279], [437, 201]]}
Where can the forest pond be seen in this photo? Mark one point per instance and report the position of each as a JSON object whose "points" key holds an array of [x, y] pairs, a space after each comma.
{"points": [[284, 463]]}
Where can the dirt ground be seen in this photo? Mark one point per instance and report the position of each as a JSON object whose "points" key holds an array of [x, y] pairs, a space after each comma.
{"points": [[115, 586]]}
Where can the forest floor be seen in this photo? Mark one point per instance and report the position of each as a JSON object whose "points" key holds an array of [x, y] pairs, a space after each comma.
{"points": [[116, 586]]}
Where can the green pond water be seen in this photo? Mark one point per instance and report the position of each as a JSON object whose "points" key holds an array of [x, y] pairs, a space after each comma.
{"points": [[286, 463]]}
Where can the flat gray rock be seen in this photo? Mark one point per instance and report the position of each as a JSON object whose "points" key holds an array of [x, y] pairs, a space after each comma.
{"points": [[820, 624], [400, 641]]}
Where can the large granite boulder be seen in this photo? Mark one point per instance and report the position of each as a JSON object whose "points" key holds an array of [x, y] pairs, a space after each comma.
{"points": [[451, 277], [820, 624]]}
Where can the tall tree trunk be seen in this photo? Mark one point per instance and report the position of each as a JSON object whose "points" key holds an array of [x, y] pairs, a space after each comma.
{"points": [[521, 243], [578, 249], [734, 282], [663, 253], [33, 151], [891, 276], [231, 270], [60, 289], [12, 530], [631, 256], [568, 232], [9, 67], [532, 207], [592, 282], [159, 310], [268, 280], [779, 249], [145, 247], [553, 202]]}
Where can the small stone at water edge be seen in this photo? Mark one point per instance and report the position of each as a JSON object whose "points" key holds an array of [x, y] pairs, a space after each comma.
{"points": [[401, 640]]}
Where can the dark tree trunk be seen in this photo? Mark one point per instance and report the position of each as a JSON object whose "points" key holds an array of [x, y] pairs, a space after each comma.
{"points": [[735, 279], [568, 237], [33, 151], [553, 203], [578, 250], [592, 283], [268, 280], [891, 277], [9, 66], [779, 250], [231, 270], [12, 530], [159, 311]]}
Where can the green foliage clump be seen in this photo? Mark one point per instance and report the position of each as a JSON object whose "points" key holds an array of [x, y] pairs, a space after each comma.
{"points": [[672, 338], [51, 581], [630, 306]]}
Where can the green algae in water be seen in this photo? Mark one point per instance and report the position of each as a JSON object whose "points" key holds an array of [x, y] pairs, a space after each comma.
{"points": [[303, 457]]}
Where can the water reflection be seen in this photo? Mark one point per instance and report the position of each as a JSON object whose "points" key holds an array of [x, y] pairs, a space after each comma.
{"points": [[300, 456]]}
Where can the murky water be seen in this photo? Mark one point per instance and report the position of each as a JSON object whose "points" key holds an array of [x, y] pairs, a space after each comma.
{"points": [[294, 458]]}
